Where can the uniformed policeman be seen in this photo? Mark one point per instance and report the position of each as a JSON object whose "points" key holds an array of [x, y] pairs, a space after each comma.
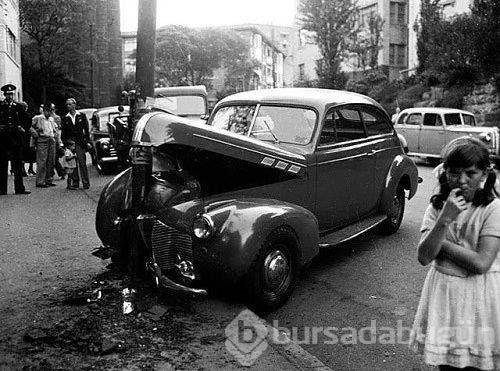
{"points": [[11, 140]]}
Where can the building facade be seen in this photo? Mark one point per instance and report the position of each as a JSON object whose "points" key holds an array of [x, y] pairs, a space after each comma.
{"points": [[10, 46]]}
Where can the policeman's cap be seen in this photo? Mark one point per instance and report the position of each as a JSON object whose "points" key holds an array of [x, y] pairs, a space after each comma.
{"points": [[8, 88]]}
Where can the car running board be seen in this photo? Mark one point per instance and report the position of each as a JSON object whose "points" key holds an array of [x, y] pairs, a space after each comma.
{"points": [[351, 231]]}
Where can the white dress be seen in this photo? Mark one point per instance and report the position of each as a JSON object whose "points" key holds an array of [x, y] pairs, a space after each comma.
{"points": [[457, 322]]}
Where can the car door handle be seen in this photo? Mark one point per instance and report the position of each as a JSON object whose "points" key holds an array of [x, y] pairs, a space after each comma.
{"points": [[371, 153]]}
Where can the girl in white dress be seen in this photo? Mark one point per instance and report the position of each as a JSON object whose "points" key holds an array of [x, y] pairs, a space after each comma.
{"points": [[457, 324]]}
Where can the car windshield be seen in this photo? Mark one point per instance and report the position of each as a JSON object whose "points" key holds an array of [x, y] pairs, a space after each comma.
{"points": [[268, 123], [182, 105], [452, 119]]}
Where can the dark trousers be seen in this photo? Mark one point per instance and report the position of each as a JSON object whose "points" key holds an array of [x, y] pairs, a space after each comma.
{"points": [[81, 168], [15, 153]]}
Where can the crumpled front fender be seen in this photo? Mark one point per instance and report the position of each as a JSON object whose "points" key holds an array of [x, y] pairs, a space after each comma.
{"points": [[242, 226], [114, 199]]}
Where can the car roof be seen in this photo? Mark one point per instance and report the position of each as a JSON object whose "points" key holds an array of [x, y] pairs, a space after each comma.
{"points": [[181, 90], [314, 97], [435, 110]]}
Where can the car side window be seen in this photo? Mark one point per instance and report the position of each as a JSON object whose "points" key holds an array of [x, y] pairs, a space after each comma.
{"points": [[452, 119], [329, 132], [432, 119], [375, 123], [414, 119], [401, 118], [349, 125]]}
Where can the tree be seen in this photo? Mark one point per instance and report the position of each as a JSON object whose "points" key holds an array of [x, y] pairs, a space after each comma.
{"points": [[187, 56], [427, 29], [334, 25], [55, 41], [368, 41]]}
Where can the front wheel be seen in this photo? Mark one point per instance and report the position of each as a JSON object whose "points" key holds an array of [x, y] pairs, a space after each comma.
{"points": [[274, 272], [394, 213]]}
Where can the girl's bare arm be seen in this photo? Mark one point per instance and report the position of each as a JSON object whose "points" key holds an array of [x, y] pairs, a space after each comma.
{"points": [[477, 262], [430, 246]]}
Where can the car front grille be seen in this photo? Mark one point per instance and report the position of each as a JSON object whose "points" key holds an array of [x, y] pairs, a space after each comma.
{"points": [[170, 246], [112, 151]]}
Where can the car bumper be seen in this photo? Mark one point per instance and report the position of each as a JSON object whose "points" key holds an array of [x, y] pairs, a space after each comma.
{"points": [[109, 159]]}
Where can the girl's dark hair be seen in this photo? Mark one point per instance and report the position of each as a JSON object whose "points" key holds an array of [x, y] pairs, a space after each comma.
{"points": [[462, 153]]}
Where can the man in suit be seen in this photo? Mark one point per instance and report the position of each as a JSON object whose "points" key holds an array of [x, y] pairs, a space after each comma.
{"points": [[11, 141], [75, 127]]}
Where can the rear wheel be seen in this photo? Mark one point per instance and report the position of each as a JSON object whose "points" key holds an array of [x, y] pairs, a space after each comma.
{"points": [[394, 213], [274, 271]]}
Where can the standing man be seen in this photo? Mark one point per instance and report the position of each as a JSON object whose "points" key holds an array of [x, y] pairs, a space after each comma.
{"points": [[11, 141], [44, 130], [75, 127], [59, 150]]}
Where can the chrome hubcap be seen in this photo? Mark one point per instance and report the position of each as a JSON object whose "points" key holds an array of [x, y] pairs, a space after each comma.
{"points": [[276, 269]]}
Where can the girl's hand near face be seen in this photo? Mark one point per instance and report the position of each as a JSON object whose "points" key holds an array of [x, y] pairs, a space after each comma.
{"points": [[454, 205]]}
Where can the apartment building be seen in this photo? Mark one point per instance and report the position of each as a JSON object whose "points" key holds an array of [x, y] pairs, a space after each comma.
{"points": [[10, 46]]}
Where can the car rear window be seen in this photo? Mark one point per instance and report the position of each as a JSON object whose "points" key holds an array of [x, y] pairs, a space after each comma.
{"points": [[452, 119], [270, 123]]}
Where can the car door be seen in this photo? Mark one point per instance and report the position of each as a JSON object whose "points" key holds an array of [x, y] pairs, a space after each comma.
{"points": [[385, 147], [344, 169], [408, 125], [432, 135]]}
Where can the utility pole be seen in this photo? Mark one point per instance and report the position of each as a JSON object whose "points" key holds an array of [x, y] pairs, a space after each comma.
{"points": [[146, 48], [91, 32]]}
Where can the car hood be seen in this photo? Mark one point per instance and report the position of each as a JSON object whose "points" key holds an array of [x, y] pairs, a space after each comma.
{"points": [[157, 129]]}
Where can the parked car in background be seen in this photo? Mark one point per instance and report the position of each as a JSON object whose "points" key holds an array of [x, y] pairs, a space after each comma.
{"points": [[428, 129], [88, 112], [103, 153], [248, 198], [185, 101]]}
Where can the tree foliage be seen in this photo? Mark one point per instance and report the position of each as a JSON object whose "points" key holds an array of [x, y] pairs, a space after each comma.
{"points": [[334, 23], [54, 42], [368, 41], [461, 49], [188, 56]]}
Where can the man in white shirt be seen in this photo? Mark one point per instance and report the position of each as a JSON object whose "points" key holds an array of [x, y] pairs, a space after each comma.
{"points": [[44, 130]]}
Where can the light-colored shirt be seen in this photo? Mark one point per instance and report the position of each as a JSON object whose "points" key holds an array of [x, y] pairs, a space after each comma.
{"points": [[72, 117], [466, 230], [45, 127]]}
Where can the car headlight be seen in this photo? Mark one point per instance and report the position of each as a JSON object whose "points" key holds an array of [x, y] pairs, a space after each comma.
{"points": [[203, 227], [485, 137]]}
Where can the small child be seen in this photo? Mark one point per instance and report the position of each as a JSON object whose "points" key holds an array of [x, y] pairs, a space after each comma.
{"points": [[69, 161]]}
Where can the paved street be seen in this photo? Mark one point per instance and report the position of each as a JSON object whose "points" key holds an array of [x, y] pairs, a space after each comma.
{"points": [[47, 239]]}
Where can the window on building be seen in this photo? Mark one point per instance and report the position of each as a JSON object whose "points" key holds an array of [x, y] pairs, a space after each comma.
{"points": [[397, 13], [11, 45], [302, 71], [397, 54]]}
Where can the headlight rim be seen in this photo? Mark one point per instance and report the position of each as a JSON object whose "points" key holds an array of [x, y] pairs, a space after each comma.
{"points": [[209, 224]]}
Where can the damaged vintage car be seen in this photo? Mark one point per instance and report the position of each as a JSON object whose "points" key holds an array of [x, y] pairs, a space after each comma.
{"points": [[250, 197]]}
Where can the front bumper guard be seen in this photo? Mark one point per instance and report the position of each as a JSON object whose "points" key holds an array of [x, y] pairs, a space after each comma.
{"points": [[161, 279]]}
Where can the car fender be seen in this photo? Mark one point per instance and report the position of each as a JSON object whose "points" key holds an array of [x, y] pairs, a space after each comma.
{"points": [[114, 200], [241, 227], [404, 171]]}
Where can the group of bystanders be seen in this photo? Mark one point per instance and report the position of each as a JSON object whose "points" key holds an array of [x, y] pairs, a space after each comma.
{"points": [[57, 144]]}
